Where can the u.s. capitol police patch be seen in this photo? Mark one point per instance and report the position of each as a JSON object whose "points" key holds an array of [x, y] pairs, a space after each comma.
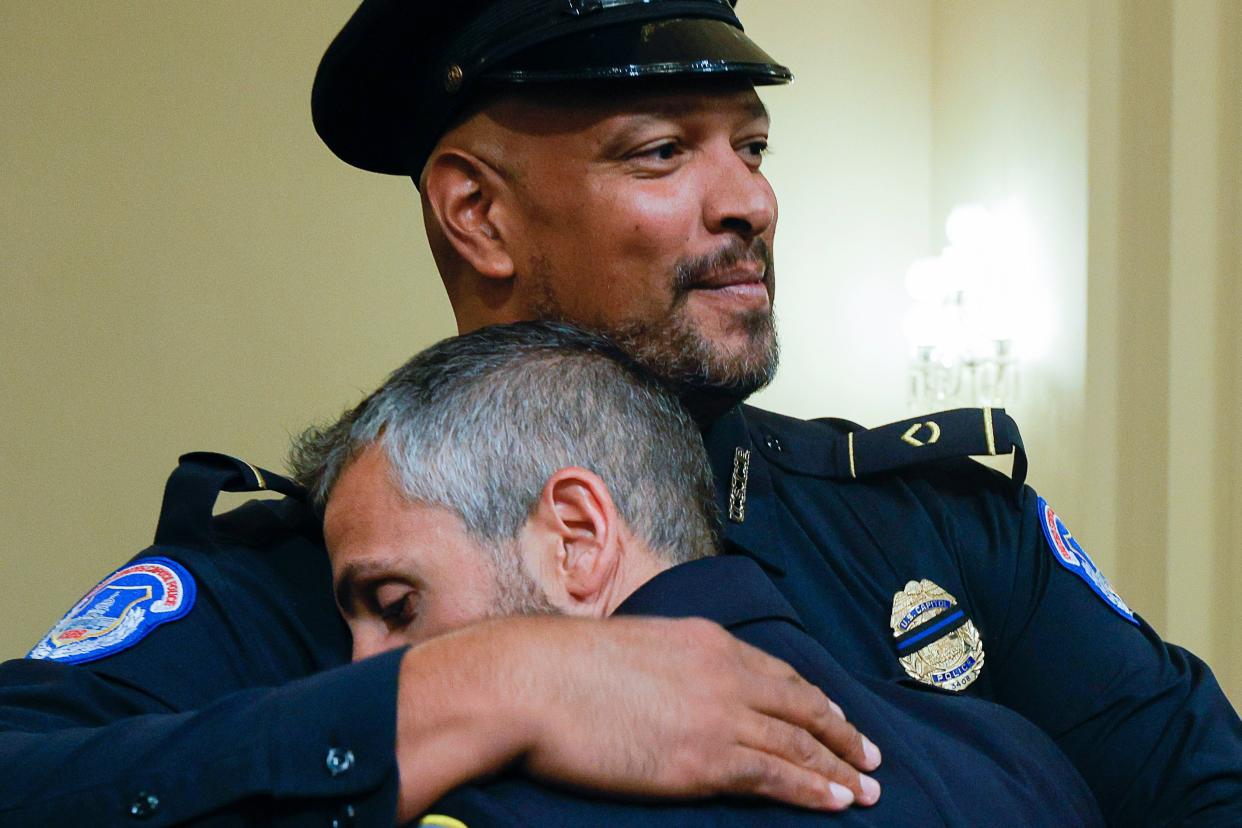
{"points": [[936, 643], [120, 612], [1070, 554]]}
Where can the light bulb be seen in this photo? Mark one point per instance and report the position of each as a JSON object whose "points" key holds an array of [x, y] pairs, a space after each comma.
{"points": [[926, 280]]}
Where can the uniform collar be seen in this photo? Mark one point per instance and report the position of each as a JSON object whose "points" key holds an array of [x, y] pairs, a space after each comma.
{"points": [[758, 534], [730, 590]]}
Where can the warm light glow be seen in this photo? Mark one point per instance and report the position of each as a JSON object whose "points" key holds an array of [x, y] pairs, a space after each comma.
{"points": [[977, 309]]}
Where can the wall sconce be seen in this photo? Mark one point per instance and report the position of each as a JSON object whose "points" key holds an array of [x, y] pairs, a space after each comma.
{"points": [[967, 313]]}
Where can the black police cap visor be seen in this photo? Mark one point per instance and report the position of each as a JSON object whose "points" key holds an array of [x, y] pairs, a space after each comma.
{"points": [[401, 71]]}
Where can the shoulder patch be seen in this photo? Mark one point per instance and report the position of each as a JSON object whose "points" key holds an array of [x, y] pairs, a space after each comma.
{"points": [[1070, 554], [120, 612]]}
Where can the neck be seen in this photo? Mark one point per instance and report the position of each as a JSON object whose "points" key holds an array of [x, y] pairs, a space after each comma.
{"points": [[633, 570]]}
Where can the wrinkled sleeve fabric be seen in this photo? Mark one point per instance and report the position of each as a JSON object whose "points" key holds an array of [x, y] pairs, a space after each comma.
{"points": [[78, 747], [226, 716], [1144, 721]]}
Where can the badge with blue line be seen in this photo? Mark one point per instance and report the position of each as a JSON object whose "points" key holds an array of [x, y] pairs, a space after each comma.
{"points": [[1070, 554], [120, 612], [937, 643]]}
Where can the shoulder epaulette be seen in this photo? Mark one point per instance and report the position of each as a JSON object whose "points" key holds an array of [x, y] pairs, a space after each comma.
{"points": [[191, 492], [962, 432], [854, 452]]}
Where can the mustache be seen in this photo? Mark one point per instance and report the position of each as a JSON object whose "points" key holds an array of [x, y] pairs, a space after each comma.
{"points": [[692, 271]]}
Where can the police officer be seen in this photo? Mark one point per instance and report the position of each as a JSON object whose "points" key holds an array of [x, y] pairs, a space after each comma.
{"points": [[599, 161]]}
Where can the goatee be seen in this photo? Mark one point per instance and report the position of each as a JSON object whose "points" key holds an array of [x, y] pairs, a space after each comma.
{"points": [[700, 371]]}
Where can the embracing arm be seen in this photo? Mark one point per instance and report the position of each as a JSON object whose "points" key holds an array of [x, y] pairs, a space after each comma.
{"points": [[76, 744], [636, 707]]}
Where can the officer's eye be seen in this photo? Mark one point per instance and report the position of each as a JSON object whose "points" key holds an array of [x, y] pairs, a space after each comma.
{"points": [[755, 150], [666, 151], [396, 604]]}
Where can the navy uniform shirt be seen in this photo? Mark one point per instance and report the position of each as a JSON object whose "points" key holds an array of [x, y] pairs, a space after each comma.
{"points": [[1144, 722], [242, 712], [245, 711], [950, 760]]}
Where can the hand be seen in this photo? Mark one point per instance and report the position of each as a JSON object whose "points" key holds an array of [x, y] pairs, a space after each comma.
{"points": [[633, 707], [653, 707]]}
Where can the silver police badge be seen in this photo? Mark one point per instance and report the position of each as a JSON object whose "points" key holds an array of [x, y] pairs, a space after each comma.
{"points": [[936, 643]]}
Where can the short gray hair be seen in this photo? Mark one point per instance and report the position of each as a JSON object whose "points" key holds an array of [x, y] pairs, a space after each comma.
{"points": [[478, 423]]}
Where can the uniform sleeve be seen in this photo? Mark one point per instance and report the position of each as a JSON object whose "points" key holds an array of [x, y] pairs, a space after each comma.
{"points": [[77, 745], [1145, 722], [243, 711]]}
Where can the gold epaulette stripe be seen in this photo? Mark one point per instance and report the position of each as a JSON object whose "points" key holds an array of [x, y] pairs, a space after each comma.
{"points": [[258, 476]]}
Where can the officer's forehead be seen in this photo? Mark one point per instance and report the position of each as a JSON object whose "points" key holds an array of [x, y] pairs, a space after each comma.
{"points": [[551, 109]]}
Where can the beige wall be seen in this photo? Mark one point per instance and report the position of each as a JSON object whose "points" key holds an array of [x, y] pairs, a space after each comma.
{"points": [[186, 267], [1009, 116], [854, 184], [1166, 144], [1115, 125], [1228, 630]]}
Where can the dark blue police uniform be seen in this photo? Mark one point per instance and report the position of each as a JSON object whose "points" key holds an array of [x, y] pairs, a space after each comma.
{"points": [[950, 760], [230, 715], [843, 523], [245, 711]]}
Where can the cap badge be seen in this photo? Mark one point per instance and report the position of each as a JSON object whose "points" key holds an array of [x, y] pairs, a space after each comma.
{"points": [[737, 488], [936, 643]]}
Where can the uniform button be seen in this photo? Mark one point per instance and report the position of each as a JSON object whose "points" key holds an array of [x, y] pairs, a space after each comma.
{"points": [[339, 761], [144, 805], [773, 442], [344, 818]]}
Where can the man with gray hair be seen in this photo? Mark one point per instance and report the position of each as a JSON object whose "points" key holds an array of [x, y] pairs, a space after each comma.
{"points": [[536, 469]]}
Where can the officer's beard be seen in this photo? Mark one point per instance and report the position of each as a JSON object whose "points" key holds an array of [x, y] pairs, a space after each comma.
{"points": [[517, 593], [701, 372]]}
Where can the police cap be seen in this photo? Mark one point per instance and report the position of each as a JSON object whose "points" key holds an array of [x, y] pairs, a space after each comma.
{"points": [[401, 71]]}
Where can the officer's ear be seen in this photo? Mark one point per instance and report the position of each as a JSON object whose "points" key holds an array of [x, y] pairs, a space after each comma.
{"points": [[462, 191], [578, 529]]}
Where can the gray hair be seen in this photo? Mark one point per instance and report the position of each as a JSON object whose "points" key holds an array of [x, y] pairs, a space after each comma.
{"points": [[477, 424]]}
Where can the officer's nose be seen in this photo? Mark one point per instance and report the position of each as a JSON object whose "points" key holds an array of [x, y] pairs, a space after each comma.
{"points": [[367, 641], [738, 198]]}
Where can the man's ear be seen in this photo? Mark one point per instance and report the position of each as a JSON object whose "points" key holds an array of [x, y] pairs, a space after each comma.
{"points": [[576, 510], [463, 192]]}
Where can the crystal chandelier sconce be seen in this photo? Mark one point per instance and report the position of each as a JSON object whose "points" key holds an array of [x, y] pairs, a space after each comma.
{"points": [[967, 309]]}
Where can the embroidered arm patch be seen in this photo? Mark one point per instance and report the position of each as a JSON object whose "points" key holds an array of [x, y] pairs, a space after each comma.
{"points": [[120, 612], [1070, 554]]}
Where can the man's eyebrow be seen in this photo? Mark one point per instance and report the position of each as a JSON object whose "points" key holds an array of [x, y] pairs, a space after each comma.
{"points": [[676, 108]]}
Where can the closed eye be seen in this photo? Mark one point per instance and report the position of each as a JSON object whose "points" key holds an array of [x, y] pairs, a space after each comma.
{"points": [[396, 604]]}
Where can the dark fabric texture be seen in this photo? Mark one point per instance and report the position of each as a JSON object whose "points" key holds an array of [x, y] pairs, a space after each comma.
{"points": [[949, 760]]}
